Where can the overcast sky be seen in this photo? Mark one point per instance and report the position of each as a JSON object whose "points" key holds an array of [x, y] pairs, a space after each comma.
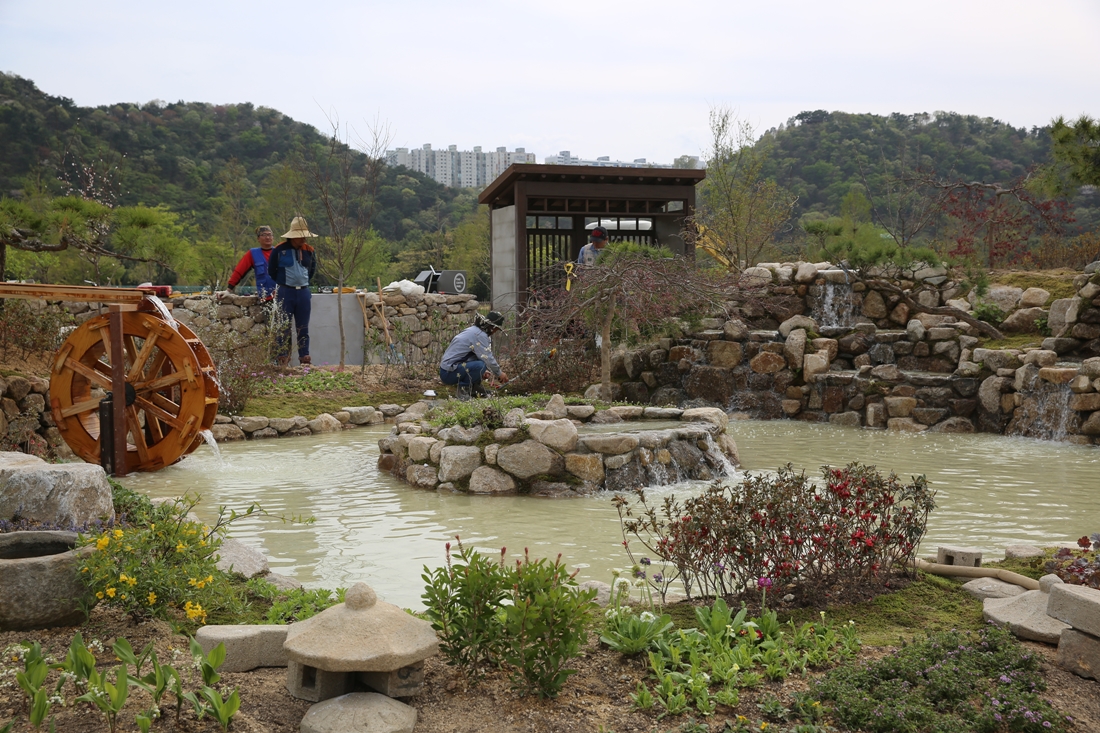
{"points": [[596, 77]]}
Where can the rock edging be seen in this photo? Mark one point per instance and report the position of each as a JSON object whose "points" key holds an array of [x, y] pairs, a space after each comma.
{"points": [[543, 454]]}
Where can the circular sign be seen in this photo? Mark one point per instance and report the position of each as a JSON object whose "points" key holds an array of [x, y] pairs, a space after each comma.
{"points": [[460, 282]]}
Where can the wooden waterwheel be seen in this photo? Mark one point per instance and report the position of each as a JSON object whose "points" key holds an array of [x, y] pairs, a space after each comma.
{"points": [[171, 392]]}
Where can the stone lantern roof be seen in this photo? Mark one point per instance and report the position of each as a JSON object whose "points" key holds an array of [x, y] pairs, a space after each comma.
{"points": [[362, 634]]}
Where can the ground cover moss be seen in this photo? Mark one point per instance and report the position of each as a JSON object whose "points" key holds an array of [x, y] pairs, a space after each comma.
{"points": [[930, 603], [312, 404], [1059, 283], [1016, 341]]}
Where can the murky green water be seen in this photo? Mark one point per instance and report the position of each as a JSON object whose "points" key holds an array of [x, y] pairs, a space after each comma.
{"points": [[369, 526]]}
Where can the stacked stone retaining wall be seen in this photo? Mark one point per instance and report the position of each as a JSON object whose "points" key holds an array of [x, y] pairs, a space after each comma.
{"points": [[888, 369]]}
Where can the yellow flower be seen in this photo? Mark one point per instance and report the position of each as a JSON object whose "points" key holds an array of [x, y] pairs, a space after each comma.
{"points": [[209, 578], [152, 598], [123, 596], [152, 525], [129, 548], [102, 542], [191, 581], [99, 594], [194, 611], [118, 534], [181, 547], [122, 578], [84, 570], [763, 726], [110, 592]]}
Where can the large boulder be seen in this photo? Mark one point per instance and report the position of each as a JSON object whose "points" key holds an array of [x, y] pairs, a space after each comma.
{"points": [[612, 444], [799, 321], [488, 480], [66, 493], [324, 423], [458, 461], [237, 557], [529, 458], [1023, 320], [718, 418], [561, 435]]}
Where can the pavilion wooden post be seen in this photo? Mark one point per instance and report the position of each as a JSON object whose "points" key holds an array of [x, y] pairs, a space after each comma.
{"points": [[118, 387]]}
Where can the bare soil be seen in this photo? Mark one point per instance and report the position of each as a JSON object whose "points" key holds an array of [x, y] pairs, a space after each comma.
{"points": [[598, 695]]}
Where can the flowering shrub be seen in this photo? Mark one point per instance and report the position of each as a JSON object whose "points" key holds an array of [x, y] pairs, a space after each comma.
{"points": [[167, 561], [950, 681], [1078, 567], [855, 525]]}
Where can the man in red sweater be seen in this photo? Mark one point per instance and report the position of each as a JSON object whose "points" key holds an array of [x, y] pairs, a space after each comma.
{"points": [[257, 259]]}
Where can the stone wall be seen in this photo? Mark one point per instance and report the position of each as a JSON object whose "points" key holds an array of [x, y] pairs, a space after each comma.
{"points": [[26, 425], [543, 454], [887, 370]]}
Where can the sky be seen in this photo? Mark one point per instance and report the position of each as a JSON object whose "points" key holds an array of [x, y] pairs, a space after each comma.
{"points": [[629, 80]]}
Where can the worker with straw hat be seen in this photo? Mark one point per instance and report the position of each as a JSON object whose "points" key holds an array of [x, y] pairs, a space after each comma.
{"points": [[293, 264]]}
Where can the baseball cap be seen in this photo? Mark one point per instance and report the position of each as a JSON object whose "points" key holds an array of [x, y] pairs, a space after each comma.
{"points": [[597, 234]]}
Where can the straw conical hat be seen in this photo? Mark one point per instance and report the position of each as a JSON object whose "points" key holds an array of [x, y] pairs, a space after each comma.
{"points": [[299, 229]]}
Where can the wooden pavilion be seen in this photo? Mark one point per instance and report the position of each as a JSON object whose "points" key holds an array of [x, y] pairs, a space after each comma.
{"points": [[542, 214]]}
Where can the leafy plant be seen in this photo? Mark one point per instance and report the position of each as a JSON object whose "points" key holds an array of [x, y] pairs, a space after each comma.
{"points": [[630, 633], [545, 625], [946, 682], [988, 311], [1078, 567], [222, 709], [462, 600], [109, 698]]}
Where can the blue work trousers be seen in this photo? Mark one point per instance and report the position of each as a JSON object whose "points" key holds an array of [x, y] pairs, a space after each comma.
{"points": [[296, 306], [467, 374]]}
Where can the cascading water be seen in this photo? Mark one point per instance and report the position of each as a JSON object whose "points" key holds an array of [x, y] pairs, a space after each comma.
{"points": [[836, 307], [1045, 413], [210, 441]]}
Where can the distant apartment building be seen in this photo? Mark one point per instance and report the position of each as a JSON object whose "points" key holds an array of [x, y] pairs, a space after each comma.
{"points": [[604, 161], [459, 168]]}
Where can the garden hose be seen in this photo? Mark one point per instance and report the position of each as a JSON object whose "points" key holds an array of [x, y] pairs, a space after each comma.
{"points": [[969, 572]]}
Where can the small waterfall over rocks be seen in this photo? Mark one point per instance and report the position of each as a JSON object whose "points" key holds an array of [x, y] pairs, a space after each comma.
{"points": [[1045, 413], [836, 306]]}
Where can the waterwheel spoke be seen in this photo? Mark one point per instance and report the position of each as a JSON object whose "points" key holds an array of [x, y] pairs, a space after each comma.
{"points": [[138, 433], [156, 385], [130, 348], [138, 363], [158, 412], [92, 374], [78, 407]]}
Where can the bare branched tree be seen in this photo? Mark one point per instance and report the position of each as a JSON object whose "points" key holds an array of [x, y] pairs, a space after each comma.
{"points": [[346, 173], [739, 212]]}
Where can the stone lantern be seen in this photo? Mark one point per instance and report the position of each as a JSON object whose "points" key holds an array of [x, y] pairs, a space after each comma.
{"points": [[359, 643]]}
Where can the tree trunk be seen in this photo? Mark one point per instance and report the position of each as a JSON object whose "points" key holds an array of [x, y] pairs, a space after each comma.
{"points": [[340, 315], [605, 350], [942, 310]]}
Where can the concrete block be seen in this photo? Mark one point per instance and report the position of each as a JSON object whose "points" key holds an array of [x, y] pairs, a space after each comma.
{"points": [[404, 682], [991, 588], [1025, 616], [968, 556], [1048, 581], [310, 683], [1077, 605], [1079, 653], [246, 647]]}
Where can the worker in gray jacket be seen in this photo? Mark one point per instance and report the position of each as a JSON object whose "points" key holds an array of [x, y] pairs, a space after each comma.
{"points": [[470, 355]]}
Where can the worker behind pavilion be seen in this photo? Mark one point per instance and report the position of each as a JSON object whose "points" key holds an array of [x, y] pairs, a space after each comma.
{"points": [[470, 355]]}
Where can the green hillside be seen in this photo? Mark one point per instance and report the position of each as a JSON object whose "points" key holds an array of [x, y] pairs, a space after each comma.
{"points": [[819, 155]]}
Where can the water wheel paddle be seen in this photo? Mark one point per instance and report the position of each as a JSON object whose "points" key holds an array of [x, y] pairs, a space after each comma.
{"points": [[171, 391]]}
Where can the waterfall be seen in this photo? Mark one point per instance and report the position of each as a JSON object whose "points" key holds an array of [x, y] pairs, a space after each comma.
{"points": [[209, 438], [1044, 413], [726, 465], [835, 308]]}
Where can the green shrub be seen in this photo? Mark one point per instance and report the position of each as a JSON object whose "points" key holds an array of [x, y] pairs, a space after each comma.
{"points": [[294, 605], [545, 625], [537, 633], [988, 312], [948, 682]]}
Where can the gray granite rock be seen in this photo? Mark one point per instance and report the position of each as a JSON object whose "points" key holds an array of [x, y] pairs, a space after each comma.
{"points": [[65, 493], [247, 646], [359, 712], [237, 557]]}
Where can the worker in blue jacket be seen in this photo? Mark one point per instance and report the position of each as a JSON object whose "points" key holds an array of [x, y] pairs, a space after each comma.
{"points": [[470, 355], [293, 264]]}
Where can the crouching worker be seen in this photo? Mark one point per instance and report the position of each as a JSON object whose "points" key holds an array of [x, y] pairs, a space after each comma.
{"points": [[470, 355]]}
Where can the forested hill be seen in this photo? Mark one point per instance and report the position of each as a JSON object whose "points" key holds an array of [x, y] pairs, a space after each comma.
{"points": [[819, 155], [181, 155]]}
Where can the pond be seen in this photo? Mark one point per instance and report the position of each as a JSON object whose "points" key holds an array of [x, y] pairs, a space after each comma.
{"points": [[369, 526]]}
